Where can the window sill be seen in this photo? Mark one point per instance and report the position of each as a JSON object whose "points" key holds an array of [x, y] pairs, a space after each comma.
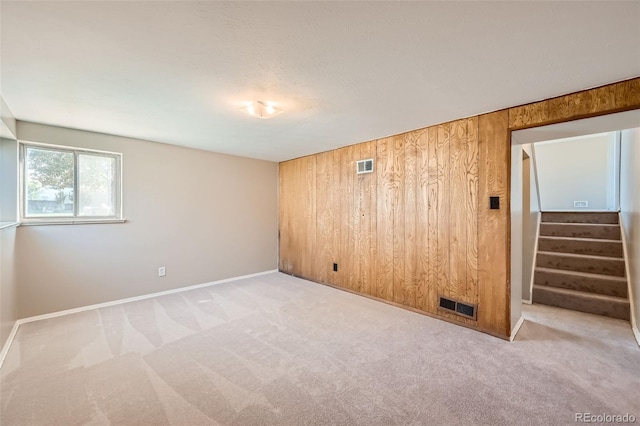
{"points": [[6, 225], [40, 222]]}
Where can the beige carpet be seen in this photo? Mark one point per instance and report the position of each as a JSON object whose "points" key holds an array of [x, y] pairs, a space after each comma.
{"points": [[280, 350]]}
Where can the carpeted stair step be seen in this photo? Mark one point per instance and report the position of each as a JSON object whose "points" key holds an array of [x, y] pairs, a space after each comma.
{"points": [[582, 281], [581, 263], [580, 230], [598, 304], [580, 217], [590, 246]]}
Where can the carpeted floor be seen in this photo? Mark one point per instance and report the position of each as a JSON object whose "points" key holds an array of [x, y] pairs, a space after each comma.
{"points": [[279, 350]]}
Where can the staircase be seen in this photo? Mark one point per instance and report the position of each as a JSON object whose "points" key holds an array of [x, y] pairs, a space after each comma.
{"points": [[580, 264]]}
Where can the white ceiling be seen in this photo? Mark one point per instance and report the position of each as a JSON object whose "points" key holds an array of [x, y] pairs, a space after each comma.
{"points": [[178, 72]]}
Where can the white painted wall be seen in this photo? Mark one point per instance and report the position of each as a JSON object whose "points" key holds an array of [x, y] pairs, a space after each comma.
{"points": [[8, 208], [8, 280], [530, 216], [630, 213], [577, 169], [8, 283], [8, 179], [202, 215], [8, 164], [516, 236]]}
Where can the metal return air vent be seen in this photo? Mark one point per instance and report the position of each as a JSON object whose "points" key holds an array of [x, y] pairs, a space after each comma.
{"points": [[364, 166], [458, 308]]}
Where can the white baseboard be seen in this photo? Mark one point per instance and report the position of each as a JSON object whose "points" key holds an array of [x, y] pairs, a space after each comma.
{"points": [[527, 302], [133, 299], [636, 333], [516, 329], [7, 345]]}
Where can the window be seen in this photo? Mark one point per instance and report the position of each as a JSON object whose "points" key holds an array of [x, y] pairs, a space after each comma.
{"points": [[61, 184]]}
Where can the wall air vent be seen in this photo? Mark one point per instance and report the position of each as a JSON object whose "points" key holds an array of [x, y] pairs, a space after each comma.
{"points": [[458, 308], [466, 310], [364, 166], [448, 304]]}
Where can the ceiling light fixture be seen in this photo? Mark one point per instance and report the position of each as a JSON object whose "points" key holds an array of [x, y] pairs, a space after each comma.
{"points": [[261, 109]]}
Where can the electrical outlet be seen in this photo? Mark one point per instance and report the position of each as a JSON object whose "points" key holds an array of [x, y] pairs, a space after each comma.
{"points": [[162, 271], [580, 204]]}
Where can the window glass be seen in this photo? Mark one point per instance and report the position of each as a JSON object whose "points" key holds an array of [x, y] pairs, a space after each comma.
{"points": [[97, 185], [70, 183], [49, 182]]}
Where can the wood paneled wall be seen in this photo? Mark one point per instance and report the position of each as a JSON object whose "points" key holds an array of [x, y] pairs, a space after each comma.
{"points": [[420, 225]]}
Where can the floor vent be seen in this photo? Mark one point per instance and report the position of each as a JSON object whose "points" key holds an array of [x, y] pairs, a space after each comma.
{"points": [[364, 166], [458, 308]]}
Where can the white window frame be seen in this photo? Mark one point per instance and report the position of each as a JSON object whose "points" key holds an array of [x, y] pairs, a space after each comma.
{"points": [[75, 219]]}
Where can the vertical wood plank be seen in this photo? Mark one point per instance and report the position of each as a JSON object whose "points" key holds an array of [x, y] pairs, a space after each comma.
{"points": [[284, 231], [308, 226], [493, 225], [346, 212], [301, 218], [433, 217], [422, 220], [384, 223], [410, 219], [373, 212], [367, 185], [457, 210], [471, 194], [443, 203], [297, 216], [355, 202], [399, 176], [325, 211], [338, 218]]}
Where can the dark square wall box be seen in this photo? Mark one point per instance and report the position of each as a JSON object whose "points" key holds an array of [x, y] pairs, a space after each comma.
{"points": [[494, 203]]}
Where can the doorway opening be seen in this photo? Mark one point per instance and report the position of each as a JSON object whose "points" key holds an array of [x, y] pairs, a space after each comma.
{"points": [[573, 202]]}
